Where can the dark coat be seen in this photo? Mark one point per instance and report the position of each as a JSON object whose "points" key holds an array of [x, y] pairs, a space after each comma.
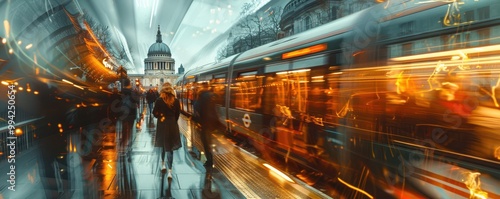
{"points": [[129, 103], [205, 107], [167, 129], [151, 96]]}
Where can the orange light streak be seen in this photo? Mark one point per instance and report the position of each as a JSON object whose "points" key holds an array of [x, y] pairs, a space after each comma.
{"points": [[304, 51]]}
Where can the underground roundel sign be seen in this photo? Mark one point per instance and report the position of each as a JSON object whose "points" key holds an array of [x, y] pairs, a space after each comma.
{"points": [[246, 120]]}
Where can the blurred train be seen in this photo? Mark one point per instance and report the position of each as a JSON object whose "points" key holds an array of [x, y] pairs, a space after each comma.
{"points": [[399, 100]]}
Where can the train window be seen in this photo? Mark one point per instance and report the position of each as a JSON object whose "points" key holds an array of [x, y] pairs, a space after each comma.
{"points": [[276, 67], [286, 89], [219, 88], [189, 94], [309, 62], [484, 36], [299, 87], [247, 91], [332, 93], [407, 48]]}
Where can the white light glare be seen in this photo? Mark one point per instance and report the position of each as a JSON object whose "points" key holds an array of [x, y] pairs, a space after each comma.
{"points": [[281, 174]]}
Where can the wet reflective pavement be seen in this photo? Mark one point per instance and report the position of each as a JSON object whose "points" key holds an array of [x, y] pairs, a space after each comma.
{"points": [[109, 172], [110, 168]]}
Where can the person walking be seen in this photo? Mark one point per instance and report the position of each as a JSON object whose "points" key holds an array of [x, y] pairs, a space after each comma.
{"points": [[167, 111], [207, 119], [127, 115], [151, 97]]}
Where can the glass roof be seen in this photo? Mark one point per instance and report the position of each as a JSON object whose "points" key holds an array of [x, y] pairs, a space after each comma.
{"points": [[191, 28]]}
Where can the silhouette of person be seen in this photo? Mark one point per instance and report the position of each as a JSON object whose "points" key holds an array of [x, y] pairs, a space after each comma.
{"points": [[151, 97], [207, 118], [167, 111], [129, 104]]}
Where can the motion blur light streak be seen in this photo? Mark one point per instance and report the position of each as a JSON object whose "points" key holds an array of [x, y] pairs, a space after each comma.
{"points": [[451, 53], [276, 171], [473, 183], [355, 188], [304, 51], [7, 30]]}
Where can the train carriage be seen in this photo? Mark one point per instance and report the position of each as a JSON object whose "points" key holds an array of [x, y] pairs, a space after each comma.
{"points": [[397, 100]]}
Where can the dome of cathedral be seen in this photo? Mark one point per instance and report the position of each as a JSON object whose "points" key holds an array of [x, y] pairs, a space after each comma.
{"points": [[159, 48]]}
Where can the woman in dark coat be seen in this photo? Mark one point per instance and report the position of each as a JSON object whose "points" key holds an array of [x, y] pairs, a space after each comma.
{"points": [[167, 111]]}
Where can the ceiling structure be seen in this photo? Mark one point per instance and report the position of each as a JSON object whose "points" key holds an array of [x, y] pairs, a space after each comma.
{"points": [[189, 27]]}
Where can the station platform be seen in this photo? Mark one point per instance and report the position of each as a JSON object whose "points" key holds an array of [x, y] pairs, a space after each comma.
{"points": [[113, 171]]}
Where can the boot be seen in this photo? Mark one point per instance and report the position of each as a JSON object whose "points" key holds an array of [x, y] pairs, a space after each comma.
{"points": [[163, 168]]}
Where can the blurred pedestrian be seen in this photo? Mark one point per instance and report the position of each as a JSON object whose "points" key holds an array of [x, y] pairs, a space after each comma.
{"points": [[127, 114], [167, 111], [206, 116], [151, 97]]}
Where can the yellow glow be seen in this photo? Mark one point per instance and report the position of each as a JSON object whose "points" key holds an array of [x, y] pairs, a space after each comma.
{"points": [[294, 71], [29, 46], [6, 25], [20, 88], [301, 70], [95, 39], [317, 77], [4, 41], [5, 83], [304, 51], [19, 132], [36, 92], [355, 188], [451, 53], [59, 125], [281, 174], [19, 42], [69, 82], [11, 51], [473, 183], [497, 153], [78, 86]]}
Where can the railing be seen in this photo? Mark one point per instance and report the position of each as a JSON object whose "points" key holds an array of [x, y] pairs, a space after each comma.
{"points": [[23, 141]]}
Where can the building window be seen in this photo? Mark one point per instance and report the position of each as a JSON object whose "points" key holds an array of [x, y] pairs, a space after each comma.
{"points": [[308, 23], [484, 13], [468, 16], [333, 12], [406, 28]]}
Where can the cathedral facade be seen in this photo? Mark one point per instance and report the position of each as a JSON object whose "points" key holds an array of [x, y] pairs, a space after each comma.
{"points": [[159, 66]]}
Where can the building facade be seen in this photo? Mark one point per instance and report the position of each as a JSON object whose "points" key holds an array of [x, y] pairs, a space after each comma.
{"points": [[301, 15], [159, 66]]}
